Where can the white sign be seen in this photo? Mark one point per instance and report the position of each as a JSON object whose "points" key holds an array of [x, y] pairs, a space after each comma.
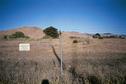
{"points": [[24, 47]]}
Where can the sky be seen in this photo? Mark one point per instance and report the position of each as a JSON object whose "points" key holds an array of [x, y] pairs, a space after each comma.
{"points": [[89, 16]]}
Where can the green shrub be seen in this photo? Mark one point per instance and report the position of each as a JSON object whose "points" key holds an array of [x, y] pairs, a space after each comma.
{"points": [[18, 35]]}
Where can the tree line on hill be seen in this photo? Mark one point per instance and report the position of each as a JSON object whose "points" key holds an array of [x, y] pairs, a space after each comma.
{"points": [[108, 35]]}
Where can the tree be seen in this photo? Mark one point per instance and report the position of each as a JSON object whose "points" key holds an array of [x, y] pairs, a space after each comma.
{"points": [[51, 31], [97, 35]]}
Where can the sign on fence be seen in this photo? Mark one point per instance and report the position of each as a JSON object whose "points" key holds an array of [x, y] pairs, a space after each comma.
{"points": [[24, 47]]}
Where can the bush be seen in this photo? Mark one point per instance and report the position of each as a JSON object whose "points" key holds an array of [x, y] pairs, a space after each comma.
{"points": [[18, 35], [75, 41], [15, 35], [6, 36], [51, 31]]}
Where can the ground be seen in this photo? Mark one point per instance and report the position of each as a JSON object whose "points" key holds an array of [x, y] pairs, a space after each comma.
{"points": [[90, 61]]}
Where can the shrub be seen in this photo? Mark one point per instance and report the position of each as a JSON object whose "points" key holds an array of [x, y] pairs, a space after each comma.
{"points": [[6, 36], [75, 41], [18, 35], [51, 31]]}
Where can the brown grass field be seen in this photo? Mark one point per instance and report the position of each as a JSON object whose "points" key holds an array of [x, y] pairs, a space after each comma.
{"points": [[90, 61]]}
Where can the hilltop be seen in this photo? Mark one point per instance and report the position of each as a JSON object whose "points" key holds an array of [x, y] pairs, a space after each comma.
{"points": [[32, 32], [37, 33]]}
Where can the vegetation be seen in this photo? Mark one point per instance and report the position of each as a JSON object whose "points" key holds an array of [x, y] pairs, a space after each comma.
{"points": [[122, 37], [103, 62], [93, 69], [6, 36], [51, 31], [46, 37], [75, 41], [100, 37], [16, 35], [108, 35], [97, 35]]}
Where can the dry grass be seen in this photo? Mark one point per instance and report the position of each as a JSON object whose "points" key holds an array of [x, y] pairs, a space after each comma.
{"points": [[99, 62]]}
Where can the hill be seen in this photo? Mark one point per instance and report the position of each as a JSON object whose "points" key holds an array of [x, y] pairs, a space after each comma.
{"points": [[32, 32], [37, 33]]}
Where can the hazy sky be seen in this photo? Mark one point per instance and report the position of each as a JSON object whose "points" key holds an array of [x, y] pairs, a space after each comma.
{"points": [[89, 16]]}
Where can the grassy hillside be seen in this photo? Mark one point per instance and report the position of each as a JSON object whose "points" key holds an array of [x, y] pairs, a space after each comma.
{"points": [[32, 32], [98, 62]]}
